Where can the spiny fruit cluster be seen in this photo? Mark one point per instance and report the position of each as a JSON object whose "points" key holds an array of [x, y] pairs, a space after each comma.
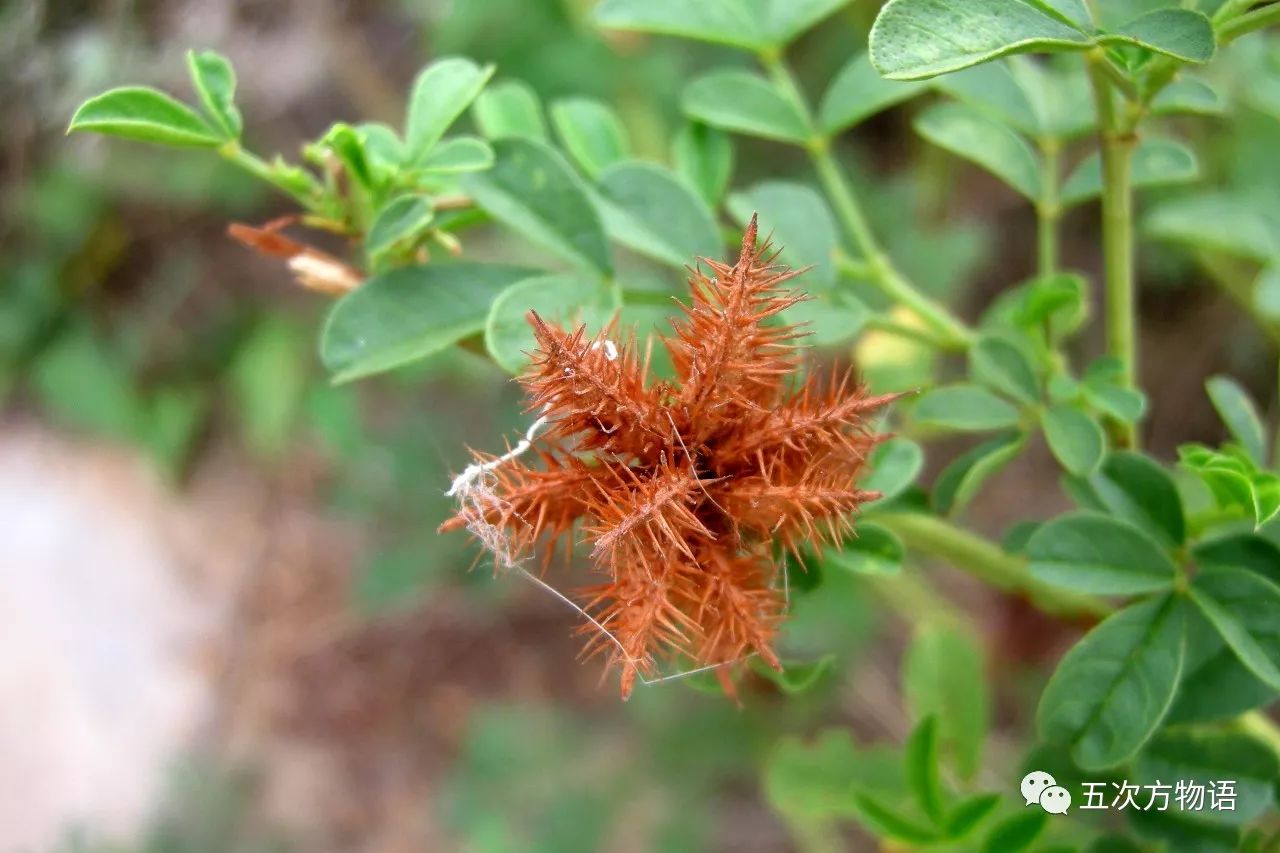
{"points": [[681, 490]]}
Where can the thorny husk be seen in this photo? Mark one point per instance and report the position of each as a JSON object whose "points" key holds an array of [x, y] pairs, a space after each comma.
{"points": [[680, 490]]}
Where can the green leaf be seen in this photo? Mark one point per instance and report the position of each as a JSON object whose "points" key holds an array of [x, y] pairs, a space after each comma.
{"points": [[149, 115], [801, 223], [1136, 488], [874, 550], [1102, 389], [828, 318], [1004, 367], [1156, 162], [531, 189], [215, 82], [888, 822], [348, 145], [400, 224], [1204, 757], [1075, 439], [510, 109], [746, 103], [1113, 688], [943, 677], [1184, 34], [1188, 97], [960, 481], [704, 157], [565, 300], [1215, 684], [971, 134], [1035, 99], [812, 782], [892, 467], [1216, 222], [858, 92], [1098, 554], [914, 39], [1243, 551], [267, 380], [457, 155], [795, 678], [441, 92], [85, 385], [408, 314], [1016, 832], [1180, 835], [921, 762], [1234, 480], [1266, 292], [655, 213], [1245, 609], [968, 814], [964, 407], [1239, 414], [591, 132], [749, 24]]}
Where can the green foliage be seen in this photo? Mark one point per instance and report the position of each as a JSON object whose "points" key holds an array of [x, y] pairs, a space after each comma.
{"points": [[135, 112], [746, 103]]}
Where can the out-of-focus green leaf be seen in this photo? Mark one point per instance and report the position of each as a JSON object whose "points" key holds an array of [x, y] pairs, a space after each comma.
{"points": [[970, 134], [1136, 488], [1240, 550], [968, 814], [1215, 684], [750, 24], [960, 481], [1004, 367], [858, 92], [1234, 480], [801, 224], [1102, 389], [1207, 757], [591, 132], [704, 156], [1113, 688], [458, 154], [1156, 162], [812, 783], [509, 109], [149, 115], [921, 762], [399, 224], [886, 821], [1217, 222], [215, 82], [1183, 34], [655, 213], [1093, 553], [873, 550], [1188, 96], [914, 39], [943, 677], [746, 103], [410, 313], [893, 466], [1016, 833], [1058, 301], [964, 407], [441, 92], [1075, 439], [268, 379], [795, 678], [82, 384], [531, 189], [1245, 609], [1239, 414], [564, 300]]}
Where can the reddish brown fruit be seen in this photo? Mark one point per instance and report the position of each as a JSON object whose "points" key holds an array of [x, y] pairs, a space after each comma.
{"points": [[680, 491]]}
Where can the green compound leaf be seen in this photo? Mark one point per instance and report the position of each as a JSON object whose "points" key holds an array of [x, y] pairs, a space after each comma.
{"points": [[874, 550], [510, 109], [969, 133], [149, 115], [1244, 607], [531, 189], [1112, 689], [567, 301], [858, 92], [1098, 554], [1002, 366], [746, 103], [943, 676], [914, 39], [457, 155], [964, 407], [960, 481], [591, 132], [748, 24], [703, 156], [1156, 162], [1205, 757], [1184, 34], [649, 209], [441, 92], [801, 224], [1234, 480], [399, 224], [1215, 684], [892, 467], [215, 83], [1075, 439], [1136, 488], [1239, 414], [1243, 551], [408, 314]]}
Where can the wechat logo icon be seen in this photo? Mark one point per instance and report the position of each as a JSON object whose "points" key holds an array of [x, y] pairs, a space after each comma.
{"points": [[1039, 787]]}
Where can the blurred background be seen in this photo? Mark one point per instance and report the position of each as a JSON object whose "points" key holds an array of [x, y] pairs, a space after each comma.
{"points": [[229, 623]]}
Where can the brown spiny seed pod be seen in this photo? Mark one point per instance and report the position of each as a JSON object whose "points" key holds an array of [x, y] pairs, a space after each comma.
{"points": [[680, 490]]}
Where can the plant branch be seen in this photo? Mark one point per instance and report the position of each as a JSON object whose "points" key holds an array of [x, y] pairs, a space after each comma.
{"points": [[1117, 145], [854, 221], [1248, 22], [1048, 209]]}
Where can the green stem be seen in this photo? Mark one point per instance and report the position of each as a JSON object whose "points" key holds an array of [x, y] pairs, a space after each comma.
{"points": [[882, 323], [1117, 236], [1248, 22], [1048, 210], [261, 169], [984, 559], [849, 211]]}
